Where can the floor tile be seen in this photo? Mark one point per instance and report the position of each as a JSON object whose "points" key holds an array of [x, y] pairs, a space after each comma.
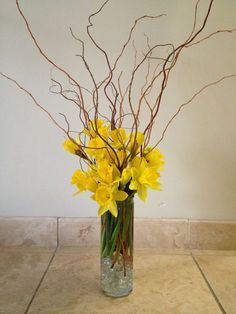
{"points": [[20, 272], [162, 284], [220, 271]]}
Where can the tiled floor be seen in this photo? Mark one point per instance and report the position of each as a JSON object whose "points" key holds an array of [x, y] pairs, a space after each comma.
{"points": [[38, 280]]}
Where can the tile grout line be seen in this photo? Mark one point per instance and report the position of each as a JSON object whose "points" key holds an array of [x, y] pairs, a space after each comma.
{"points": [[45, 272], [58, 240], [208, 284], [189, 235]]}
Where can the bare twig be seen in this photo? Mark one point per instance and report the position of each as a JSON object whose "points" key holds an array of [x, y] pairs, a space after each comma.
{"points": [[211, 35], [34, 100], [189, 101], [50, 60]]}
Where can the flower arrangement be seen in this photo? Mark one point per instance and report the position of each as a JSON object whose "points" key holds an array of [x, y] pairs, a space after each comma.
{"points": [[117, 161], [118, 165]]}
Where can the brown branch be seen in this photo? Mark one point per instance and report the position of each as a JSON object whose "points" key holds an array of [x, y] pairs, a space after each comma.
{"points": [[176, 54], [81, 153], [61, 92], [110, 75], [130, 35], [48, 59], [195, 19], [67, 123], [189, 101], [135, 114], [212, 34], [91, 37], [34, 100], [82, 56]]}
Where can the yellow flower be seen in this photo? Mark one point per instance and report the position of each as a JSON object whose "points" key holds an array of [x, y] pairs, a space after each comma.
{"points": [[107, 172], [154, 158], [83, 181], [143, 177], [97, 127], [106, 196], [121, 156], [91, 184], [79, 178], [113, 156], [135, 143], [118, 137], [126, 176], [71, 147], [96, 148]]}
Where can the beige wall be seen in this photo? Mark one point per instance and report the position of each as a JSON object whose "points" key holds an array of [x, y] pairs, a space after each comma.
{"points": [[200, 148]]}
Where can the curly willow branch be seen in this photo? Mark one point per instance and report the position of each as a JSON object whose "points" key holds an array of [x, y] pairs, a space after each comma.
{"points": [[35, 101], [52, 62], [189, 101]]}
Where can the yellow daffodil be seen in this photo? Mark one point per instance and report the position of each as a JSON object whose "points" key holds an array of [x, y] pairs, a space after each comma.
{"points": [[143, 177], [72, 147], [154, 158], [121, 156], [97, 127], [118, 137], [126, 176], [106, 196], [96, 148], [83, 181], [113, 155], [79, 178], [136, 142], [107, 172], [111, 151]]}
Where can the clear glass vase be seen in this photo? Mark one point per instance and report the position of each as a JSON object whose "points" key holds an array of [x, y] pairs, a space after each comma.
{"points": [[117, 250]]}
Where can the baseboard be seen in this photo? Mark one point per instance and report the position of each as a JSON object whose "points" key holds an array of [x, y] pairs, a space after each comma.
{"points": [[180, 234]]}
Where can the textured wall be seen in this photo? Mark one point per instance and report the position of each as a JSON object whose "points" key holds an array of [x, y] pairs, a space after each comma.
{"points": [[200, 176]]}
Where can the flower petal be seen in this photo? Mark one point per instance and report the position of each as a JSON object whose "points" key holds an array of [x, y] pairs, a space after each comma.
{"points": [[120, 196], [102, 210], [133, 185], [142, 193], [113, 208]]}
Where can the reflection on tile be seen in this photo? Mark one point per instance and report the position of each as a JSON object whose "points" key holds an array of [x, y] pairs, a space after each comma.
{"points": [[161, 233], [162, 284], [208, 235], [20, 273], [79, 231], [220, 271], [28, 231]]}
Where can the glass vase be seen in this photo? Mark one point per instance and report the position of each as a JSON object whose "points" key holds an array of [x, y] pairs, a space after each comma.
{"points": [[117, 250]]}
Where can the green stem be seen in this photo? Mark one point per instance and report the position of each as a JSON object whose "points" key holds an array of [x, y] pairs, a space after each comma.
{"points": [[117, 233]]}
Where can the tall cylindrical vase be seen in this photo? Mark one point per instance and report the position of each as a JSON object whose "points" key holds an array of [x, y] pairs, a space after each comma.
{"points": [[117, 250]]}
